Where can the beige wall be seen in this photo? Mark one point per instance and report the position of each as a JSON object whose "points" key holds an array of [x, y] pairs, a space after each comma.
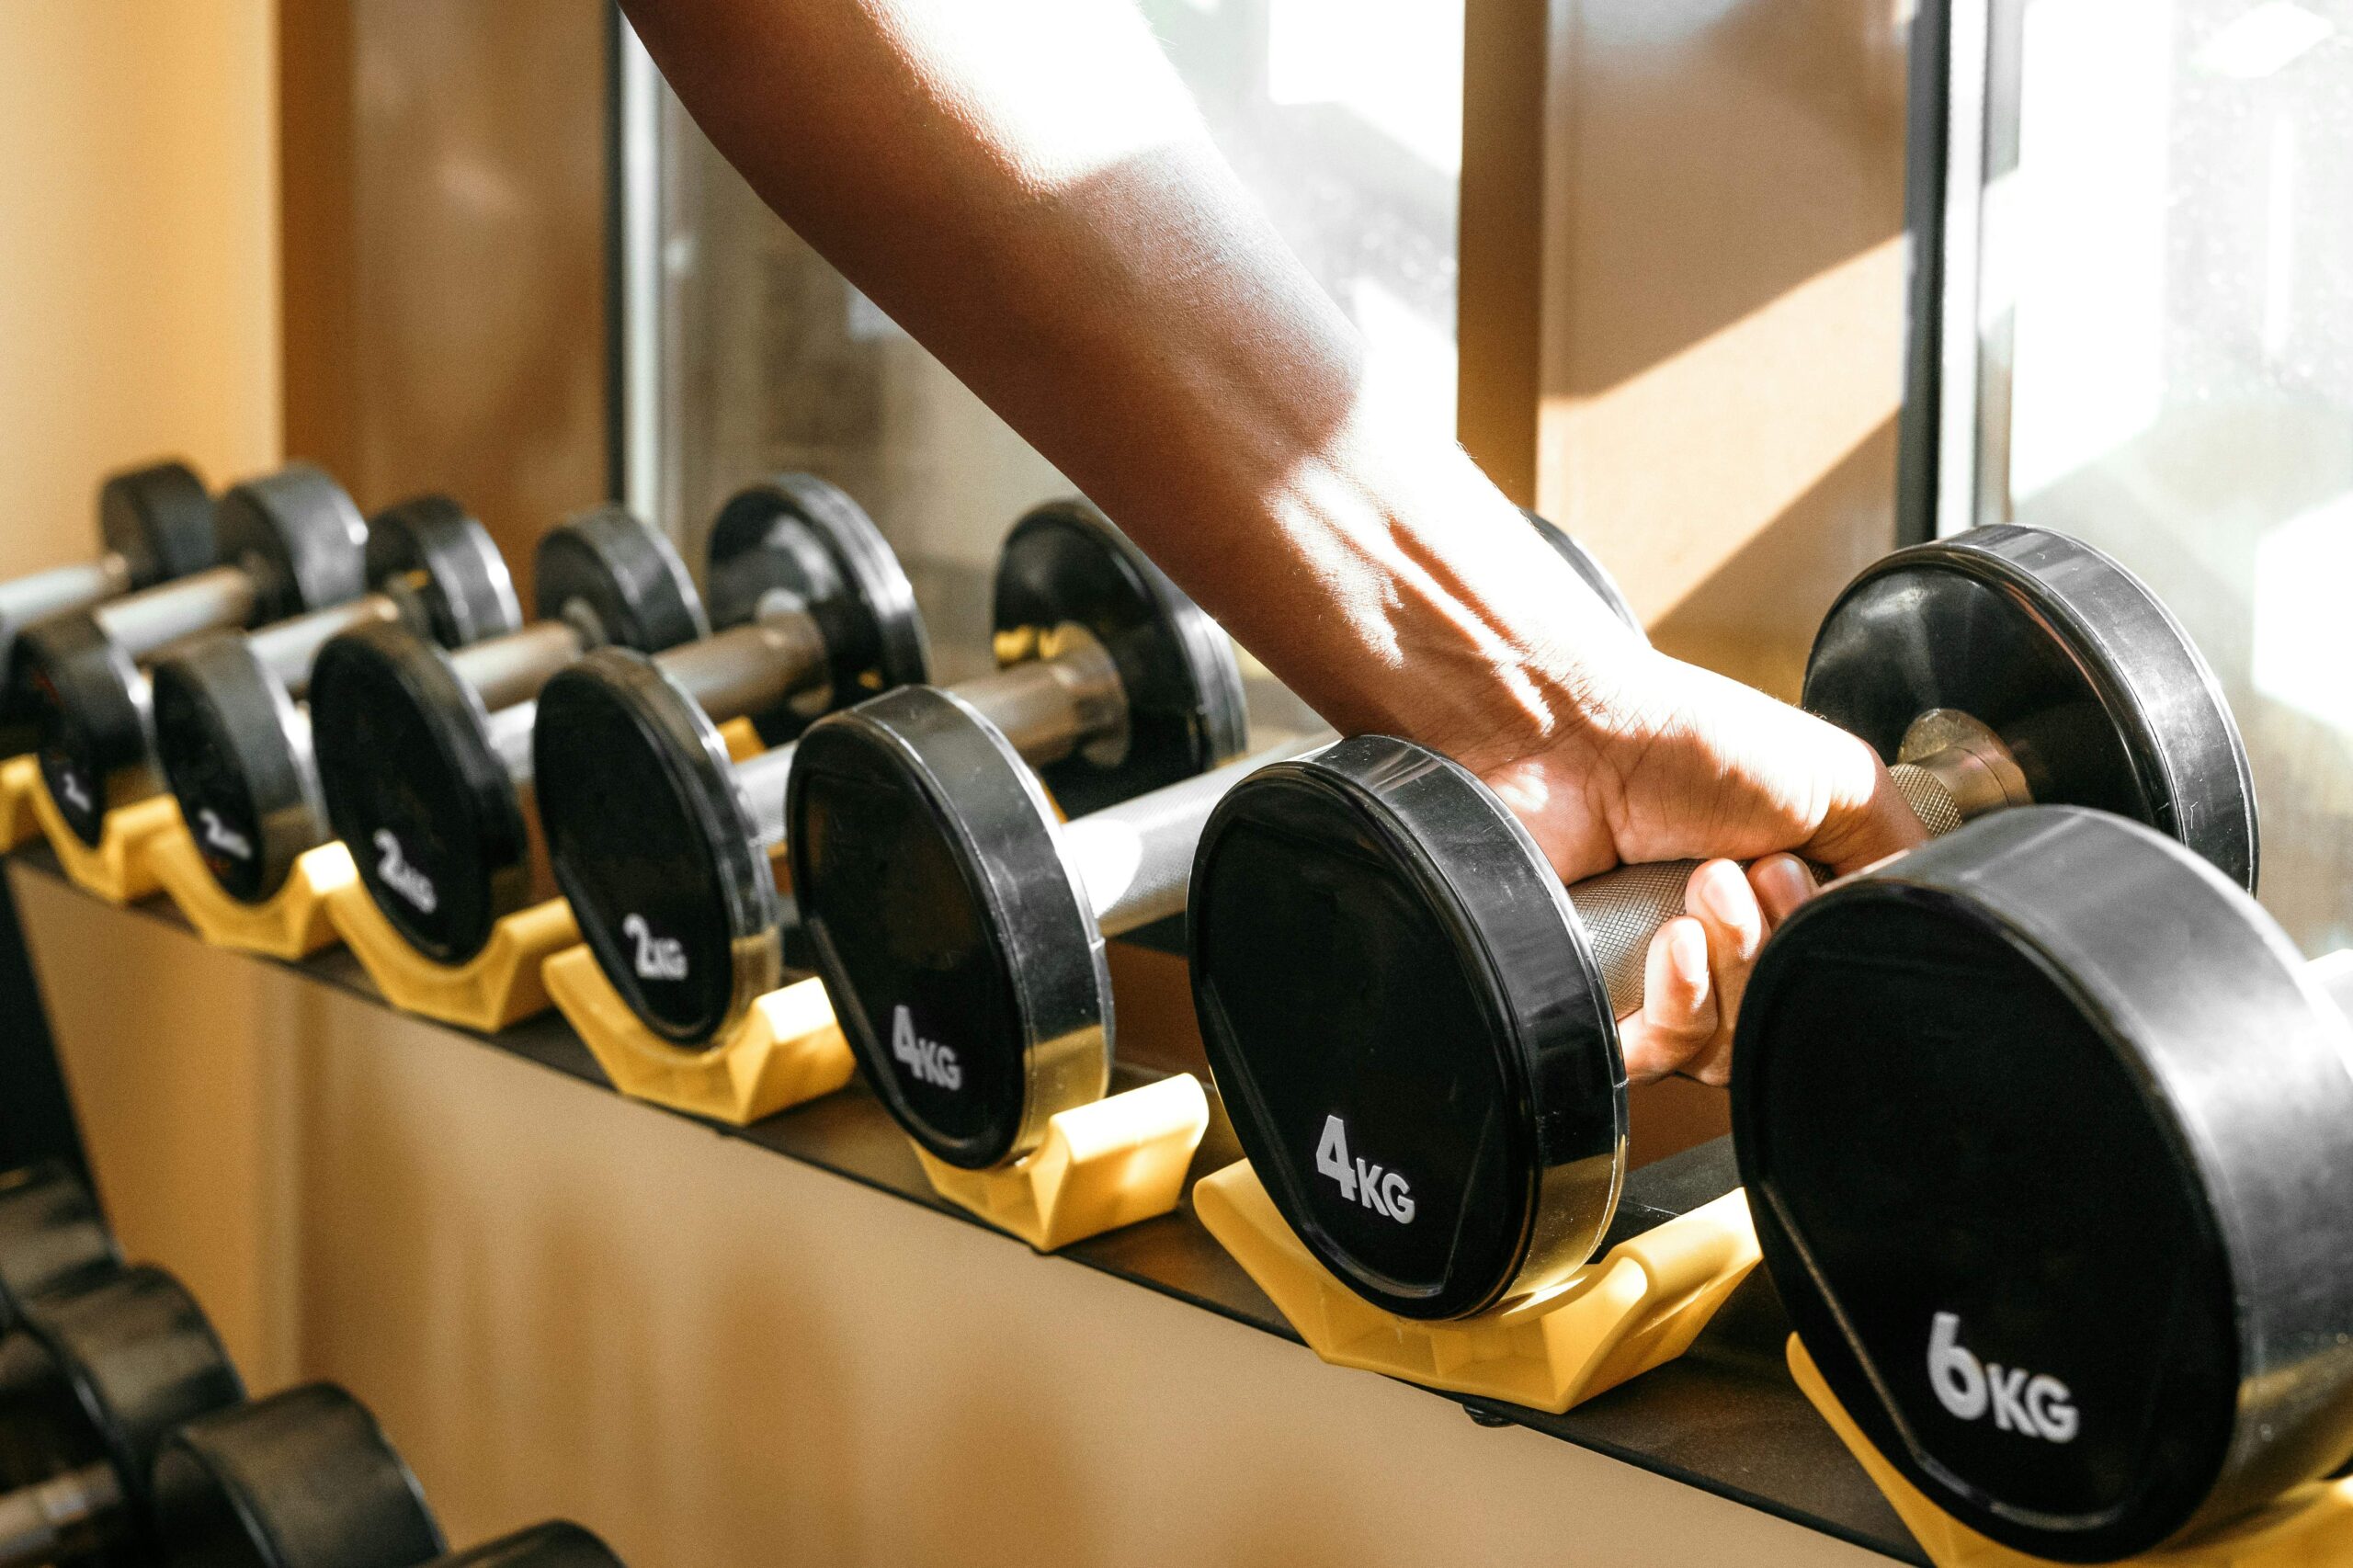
{"points": [[138, 241]]}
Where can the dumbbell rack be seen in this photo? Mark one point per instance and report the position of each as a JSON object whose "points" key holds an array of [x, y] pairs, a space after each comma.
{"points": [[1694, 1420]]}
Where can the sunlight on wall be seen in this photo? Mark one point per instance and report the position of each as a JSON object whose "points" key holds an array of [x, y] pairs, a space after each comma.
{"points": [[1736, 427]]}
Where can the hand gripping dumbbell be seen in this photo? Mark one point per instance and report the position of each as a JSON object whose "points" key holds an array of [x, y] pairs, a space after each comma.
{"points": [[290, 542], [1413, 1023], [429, 775], [91, 1382], [423, 754], [154, 523], [1112, 682], [231, 729], [964, 924], [2047, 1129], [52, 1237]]}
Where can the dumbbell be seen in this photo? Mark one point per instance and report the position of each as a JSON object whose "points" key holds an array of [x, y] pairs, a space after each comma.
{"points": [[154, 523], [428, 770], [961, 924], [290, 542], [2046, 1128], [422, 753], [1413, 1023], [92, 1380], [230, 730], [52, 1237], [1111, 683]]}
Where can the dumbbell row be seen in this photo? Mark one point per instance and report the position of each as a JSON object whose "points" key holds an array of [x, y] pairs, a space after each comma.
{"points": [[1111, 683], [2003, 670], [126, 1431], [820, 614]]}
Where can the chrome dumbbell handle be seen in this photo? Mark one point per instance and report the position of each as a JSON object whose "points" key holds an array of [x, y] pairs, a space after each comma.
{"points": [[1135, 858]]}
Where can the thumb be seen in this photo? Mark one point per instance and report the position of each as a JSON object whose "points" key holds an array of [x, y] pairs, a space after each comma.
{"points": [[1871, 824]]}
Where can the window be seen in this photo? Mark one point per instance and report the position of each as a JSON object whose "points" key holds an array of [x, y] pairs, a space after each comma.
{"points": [[2165, 359], [745, 353]]}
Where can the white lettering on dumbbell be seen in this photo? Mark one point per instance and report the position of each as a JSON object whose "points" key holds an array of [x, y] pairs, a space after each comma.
{"points": [[2033, 1404], [70, 786], [401, 877], [1386, 1193], [221, 836], [930, 1062], [657, 958]]}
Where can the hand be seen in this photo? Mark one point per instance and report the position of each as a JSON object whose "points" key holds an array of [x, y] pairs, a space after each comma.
{"points": [[1673, 762]]}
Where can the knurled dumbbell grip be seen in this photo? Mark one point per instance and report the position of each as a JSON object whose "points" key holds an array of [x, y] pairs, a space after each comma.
{"points": [[1621, 910]]}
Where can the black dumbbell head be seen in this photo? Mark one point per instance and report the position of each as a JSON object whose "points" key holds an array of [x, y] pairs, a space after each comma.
{"points": [[1064, 564], [618, 580], [558, 1544], [84, 694], [960, 953], [2045, 1132], [1408, 1025], [298, 536], [651, 842], [104, 1374], [2097, 691], [1407, 1021], [412, 783], [236, 752], [159, 519], [800, 542], [304, 1479], [51, 1237], [431, 554]]}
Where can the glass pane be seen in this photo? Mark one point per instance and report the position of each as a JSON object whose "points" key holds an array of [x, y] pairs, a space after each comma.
{"points": [[1344, 115], [2183, 396]]}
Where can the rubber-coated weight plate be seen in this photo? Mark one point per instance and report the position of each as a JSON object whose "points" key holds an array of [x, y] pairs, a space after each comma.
{"points": [[1407, 1027], [653, 845], [2099, 693], [86, 698], [799, 539], [1407, 1020], [560, 1544], [618, 581], [412, 784], [159, 519], [304, 1479], [51, 1236], [1062, 564], [297, 536], [236, 751], [429, 551], [917, 889], [2045, 1132], [139, 1359]]}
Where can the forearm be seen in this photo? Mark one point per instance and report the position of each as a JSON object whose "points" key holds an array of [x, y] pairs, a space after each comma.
{"points": [[1026, 188]]}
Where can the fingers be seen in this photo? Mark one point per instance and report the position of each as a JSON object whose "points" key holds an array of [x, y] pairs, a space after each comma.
{"points": [[1677, 1020], [1698, 966]]}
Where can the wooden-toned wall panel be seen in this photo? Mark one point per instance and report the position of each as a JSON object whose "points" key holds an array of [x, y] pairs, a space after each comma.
{"points": [[138, 276], [1706, 287], [445, 253]]}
